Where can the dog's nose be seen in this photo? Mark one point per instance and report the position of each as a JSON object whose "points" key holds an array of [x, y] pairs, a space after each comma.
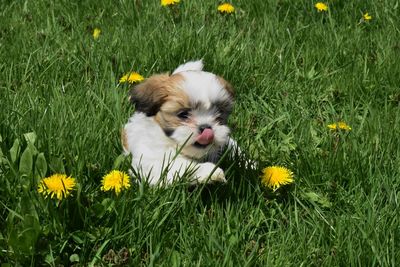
{"points": [[203, 127]]}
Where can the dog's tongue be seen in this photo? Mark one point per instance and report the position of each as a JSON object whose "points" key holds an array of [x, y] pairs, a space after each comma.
{"points": [[206, 137]]}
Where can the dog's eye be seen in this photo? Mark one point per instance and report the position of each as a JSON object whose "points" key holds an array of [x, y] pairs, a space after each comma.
{"points": [[184, 114]]}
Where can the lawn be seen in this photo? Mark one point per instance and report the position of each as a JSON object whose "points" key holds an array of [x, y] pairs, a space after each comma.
{"points": [[295, 70]]}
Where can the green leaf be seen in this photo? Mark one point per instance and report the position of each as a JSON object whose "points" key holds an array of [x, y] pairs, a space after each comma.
{"points": [[33, 149], [23, 237], [41, 165], [98, 253], [15, 149], [27, 206], [314, 135], [57, 165], [311, 73], [319, 199], [2, 158], [30, 137], [175, 258], [98, 209], [26, 162], [119, 161], [74, 258], [23, 227], [233, 240], [108, 204], [78, 237], [50, 260]]}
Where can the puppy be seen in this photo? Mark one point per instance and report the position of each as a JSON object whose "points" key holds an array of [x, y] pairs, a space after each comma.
{"points": [[179, 126]]}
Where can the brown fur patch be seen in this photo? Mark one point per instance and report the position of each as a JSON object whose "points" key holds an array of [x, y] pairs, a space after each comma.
{"points": [[176, 101], [124, 140], [227, 86], [150, 95]]}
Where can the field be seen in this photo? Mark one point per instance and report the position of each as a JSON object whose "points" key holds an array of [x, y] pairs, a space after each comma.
{"points": [[295, 70]]}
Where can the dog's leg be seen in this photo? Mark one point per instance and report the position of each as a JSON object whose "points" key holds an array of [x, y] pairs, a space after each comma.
{"points": [[199, 172], [209, 172], [232, 146], [165, 171], [234, 149]]}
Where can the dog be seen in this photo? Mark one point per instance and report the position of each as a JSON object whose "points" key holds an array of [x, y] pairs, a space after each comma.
{"points": [[179, 126]]}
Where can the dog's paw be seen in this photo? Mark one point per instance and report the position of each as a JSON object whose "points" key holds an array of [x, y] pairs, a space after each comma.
{"points": [[208, 173], [218, 176]]}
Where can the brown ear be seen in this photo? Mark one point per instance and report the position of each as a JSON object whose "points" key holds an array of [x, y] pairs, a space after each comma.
{"points": [[227, 86], [150, 95]]}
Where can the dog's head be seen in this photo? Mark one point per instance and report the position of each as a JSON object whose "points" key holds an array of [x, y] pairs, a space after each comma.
{"points": [[191, 106]]}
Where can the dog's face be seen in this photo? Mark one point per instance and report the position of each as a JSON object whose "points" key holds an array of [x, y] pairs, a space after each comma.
{"points": [[191, 107]]}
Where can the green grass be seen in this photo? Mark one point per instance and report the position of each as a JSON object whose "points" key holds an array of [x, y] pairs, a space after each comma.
{"points": [[294, 70]]}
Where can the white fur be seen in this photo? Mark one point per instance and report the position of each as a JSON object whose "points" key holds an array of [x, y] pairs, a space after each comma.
{"points": [[203, 87], [184, 134], [162, 159], [153, 152], [190, 66]]}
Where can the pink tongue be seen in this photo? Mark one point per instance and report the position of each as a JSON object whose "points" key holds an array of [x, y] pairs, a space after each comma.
{"points": [[206, 137]]}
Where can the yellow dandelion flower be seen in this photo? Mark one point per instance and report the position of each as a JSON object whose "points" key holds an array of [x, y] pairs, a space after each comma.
{"points": [[226, 8], [276, 176], [169, 2], [115, 180], [57, 186], [367, 17], [96, 33], [321, 6], [339, 126], [131, 77]]}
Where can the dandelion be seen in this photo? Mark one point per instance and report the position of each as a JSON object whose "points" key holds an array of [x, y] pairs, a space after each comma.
{"points": [[169, 2], [115, 180], [57, 186], [339, 126], [321, 6], [367, 17], [226, 8], [131, 77], [96, 33], [276, 176]]}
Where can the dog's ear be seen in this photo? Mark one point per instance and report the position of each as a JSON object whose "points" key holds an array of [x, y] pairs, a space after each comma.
{"points": [[150, 95], [191, 65], [227, 86]]}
